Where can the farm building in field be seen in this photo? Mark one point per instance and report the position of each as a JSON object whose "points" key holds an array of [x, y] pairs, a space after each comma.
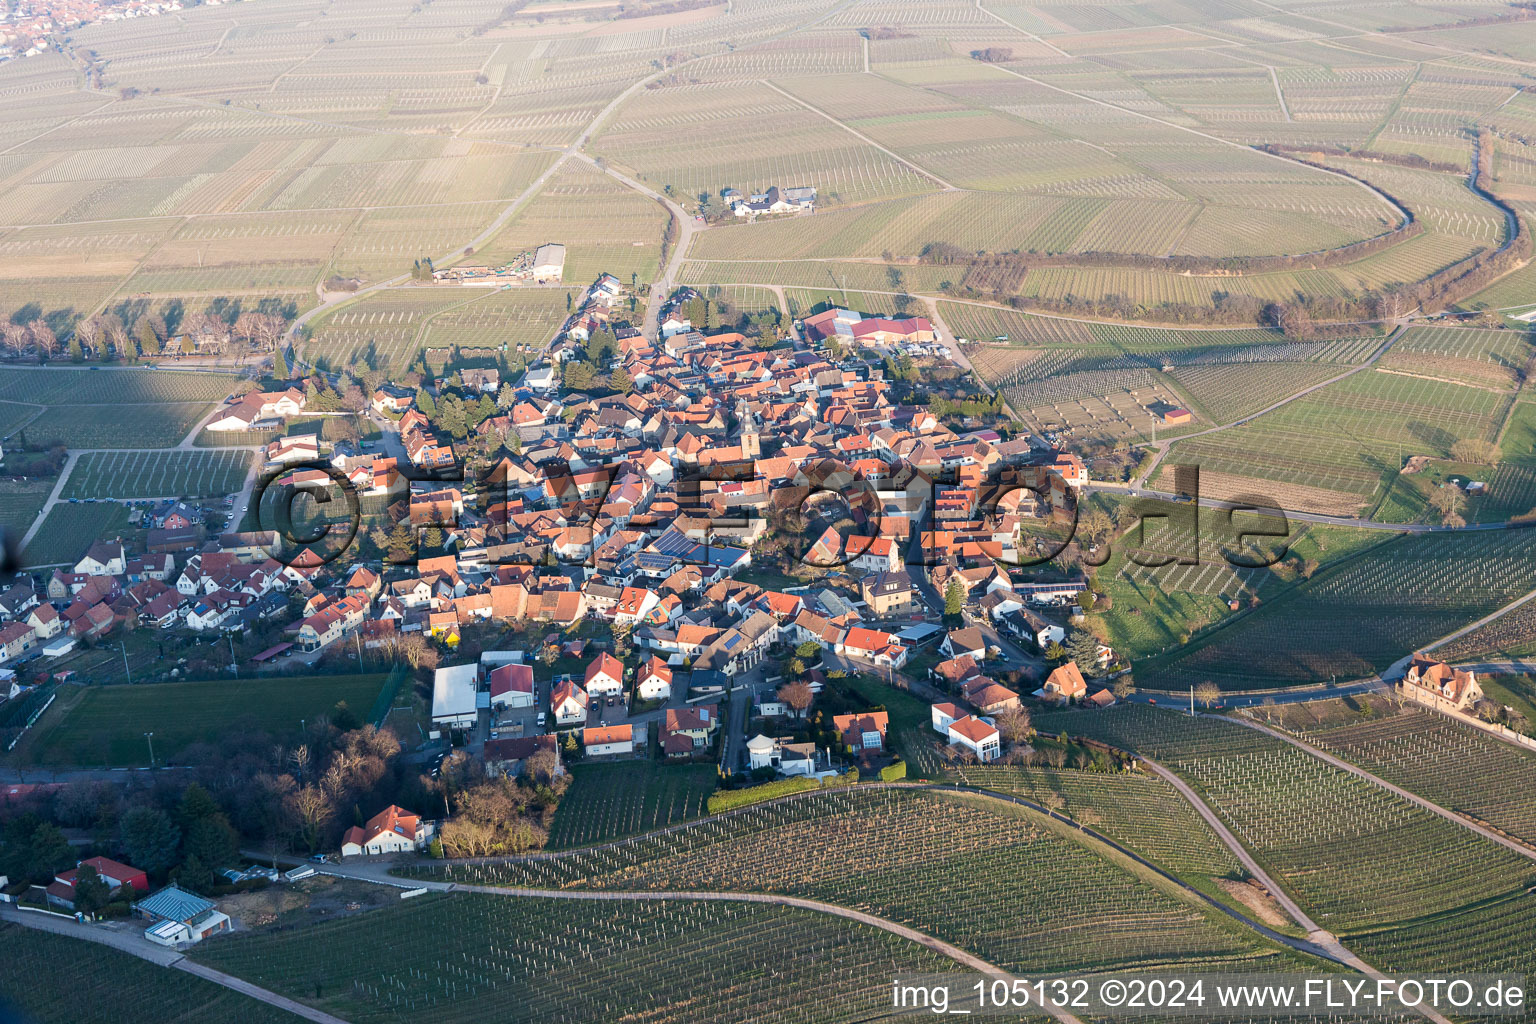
{"points": [[549, 263], [1170, 415]]}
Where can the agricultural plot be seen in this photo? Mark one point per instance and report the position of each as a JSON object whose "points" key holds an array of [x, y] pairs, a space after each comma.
{"points": [[52, 386], [514, 959], [1349, 438], [804, 302], [54, 979], [938, 862], [605, 227], [779, 142], [383, 330], [1094, 405], [1358, 615], [512, 318], [105, 725], [70, 529], [1159, 600], [21, 502], [1491, 358], [116, 426], [610, 801], [819, 275], [1226, 392], [165, 474], [1443, 760], [1352, 853], [1498, 936], [1141, 812]]}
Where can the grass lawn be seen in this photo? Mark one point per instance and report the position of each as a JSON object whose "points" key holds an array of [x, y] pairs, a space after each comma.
{"points": [[105, 725], [620, 798], [1517, 691]]}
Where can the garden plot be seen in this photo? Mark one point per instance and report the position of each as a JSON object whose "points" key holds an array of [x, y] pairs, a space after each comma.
{"points": [[163, 474]]}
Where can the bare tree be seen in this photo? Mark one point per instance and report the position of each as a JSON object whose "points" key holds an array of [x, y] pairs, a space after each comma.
{"points": [[310, 811], [116, 334], [43, 338], [797, 696], [89, 333], [15, 337], [1123, 688], [1448, 500], [1207, 693]]}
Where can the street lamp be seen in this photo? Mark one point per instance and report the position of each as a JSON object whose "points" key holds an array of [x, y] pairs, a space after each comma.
{"points": [[151, 738]]}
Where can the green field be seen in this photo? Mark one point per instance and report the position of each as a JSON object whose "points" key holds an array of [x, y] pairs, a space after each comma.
{"points": [[165, 474], [1336, 448], [610, 801], [105, 725], [70, 529], [520, 959], [53, 979], [1141, 812]]}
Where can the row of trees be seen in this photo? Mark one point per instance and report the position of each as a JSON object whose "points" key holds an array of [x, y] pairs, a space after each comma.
{"points": [[107, 335]]}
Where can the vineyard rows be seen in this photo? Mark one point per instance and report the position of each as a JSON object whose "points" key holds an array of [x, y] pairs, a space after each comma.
{"points": [[948, 865], [570, 962]]}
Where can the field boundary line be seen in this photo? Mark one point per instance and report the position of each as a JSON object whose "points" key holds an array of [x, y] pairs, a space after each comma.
{"points": [[946, 186], [1164, 448], [998, 17], [1402, 211]]}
